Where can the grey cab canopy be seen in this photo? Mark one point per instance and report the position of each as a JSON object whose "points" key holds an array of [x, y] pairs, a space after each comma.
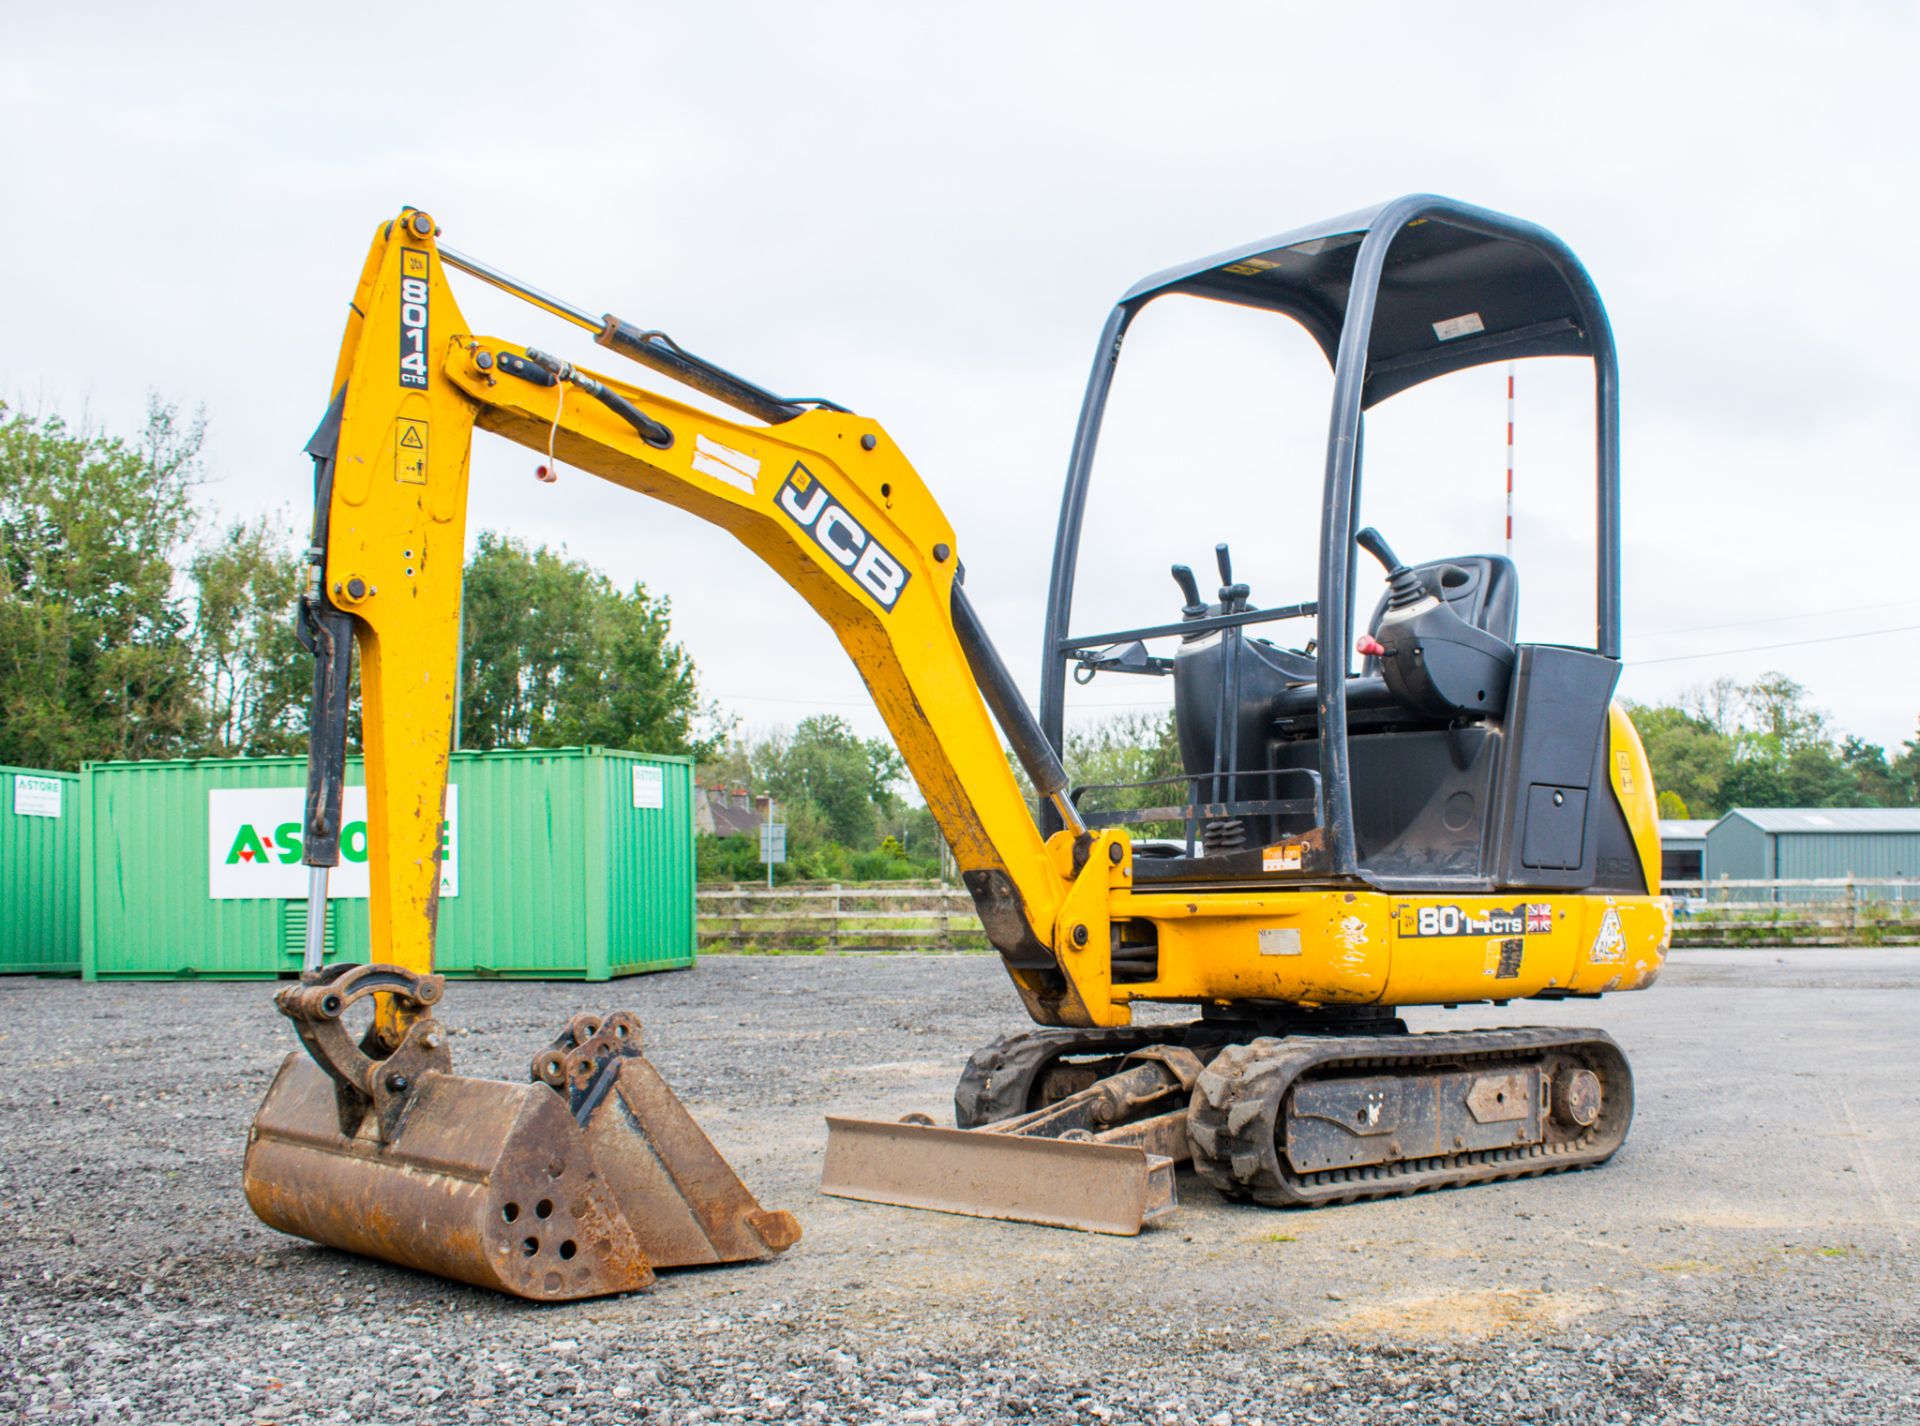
{"points": [[1458, 286], [1395, 295]]}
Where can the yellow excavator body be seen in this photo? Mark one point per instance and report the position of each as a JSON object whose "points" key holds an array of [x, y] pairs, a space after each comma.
{"points": [[591, 1175]]}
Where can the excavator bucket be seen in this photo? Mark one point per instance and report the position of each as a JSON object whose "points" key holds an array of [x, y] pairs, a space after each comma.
{"points": [[582, 1182]]}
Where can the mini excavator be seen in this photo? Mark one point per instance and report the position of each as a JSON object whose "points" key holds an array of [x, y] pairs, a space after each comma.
{"points": [[1420, 809]]}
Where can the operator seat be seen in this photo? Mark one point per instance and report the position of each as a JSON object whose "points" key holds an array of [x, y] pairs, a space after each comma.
{"points": [[1484, 590]]}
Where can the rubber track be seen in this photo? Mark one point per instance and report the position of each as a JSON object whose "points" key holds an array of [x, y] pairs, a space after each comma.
{"points": [[1234, 1117], [998, 1080]]}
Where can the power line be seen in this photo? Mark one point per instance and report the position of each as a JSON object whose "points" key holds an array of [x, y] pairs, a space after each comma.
{"points": [[1790, 644], [1777, 618]]}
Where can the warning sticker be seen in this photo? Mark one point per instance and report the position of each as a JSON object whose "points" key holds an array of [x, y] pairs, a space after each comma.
{"points": [[410, 451], [1623, 763], [1287, 856], [1504, 957], [1465, 325], [1610, 943]]}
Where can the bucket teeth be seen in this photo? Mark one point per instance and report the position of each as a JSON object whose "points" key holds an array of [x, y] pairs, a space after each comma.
{"points": [[545, 1190]]}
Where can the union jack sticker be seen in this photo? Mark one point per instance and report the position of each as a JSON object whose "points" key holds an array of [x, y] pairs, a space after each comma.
{"points": [[1539, 918]]}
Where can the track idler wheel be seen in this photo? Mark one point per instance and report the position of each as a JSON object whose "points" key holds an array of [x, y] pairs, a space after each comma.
{"points": [[581, 1183]]}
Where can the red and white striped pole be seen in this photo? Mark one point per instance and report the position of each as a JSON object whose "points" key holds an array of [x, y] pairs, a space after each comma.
{"points": [[1510, 460]]}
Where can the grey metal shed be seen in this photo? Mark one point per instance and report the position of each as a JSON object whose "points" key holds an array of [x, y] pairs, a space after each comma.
{"points": [[1683, 848], [1805, 843]]}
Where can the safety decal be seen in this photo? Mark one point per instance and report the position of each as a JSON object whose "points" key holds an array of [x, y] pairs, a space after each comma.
{"points": [[1452, 328], [1287, 856], [1610, 942], [806, 502], [413, 318], [1504, 957], [1623, 766], [410, 451]]}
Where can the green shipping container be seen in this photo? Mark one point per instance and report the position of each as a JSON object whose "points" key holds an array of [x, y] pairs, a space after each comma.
{"points": [[559, 863], [39, 872]]}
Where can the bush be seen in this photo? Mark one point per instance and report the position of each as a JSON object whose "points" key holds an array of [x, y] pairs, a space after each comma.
{"points": [[737, 858]]}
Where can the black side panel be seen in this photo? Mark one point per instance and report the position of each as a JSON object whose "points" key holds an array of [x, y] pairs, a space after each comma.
{"points": [[1554, 789], [1421, 799]]}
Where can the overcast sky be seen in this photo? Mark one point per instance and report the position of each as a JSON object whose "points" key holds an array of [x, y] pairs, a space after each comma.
{"points": [[926, 212]]}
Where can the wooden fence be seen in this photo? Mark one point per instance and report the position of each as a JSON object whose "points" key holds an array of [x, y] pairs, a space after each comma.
{"points": [[889, 916], [926, 916], [1829, 911]]}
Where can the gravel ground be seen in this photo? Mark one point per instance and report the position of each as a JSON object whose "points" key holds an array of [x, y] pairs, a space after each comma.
{"points": [[1750, 1256]]}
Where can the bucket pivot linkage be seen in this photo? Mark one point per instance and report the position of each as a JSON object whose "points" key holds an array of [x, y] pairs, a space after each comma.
{"points": [[580, 1183]]}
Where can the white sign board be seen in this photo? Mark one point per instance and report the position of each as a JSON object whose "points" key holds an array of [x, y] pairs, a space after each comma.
{"points": [[254, 844], [649, 788], [36, 796], [773, 842]]}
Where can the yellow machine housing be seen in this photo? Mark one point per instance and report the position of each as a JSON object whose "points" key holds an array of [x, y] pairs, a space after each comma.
{"points": [[1294, 921]]}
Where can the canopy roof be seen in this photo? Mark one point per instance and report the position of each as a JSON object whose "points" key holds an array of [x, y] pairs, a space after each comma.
{"points": [[1461, 286]]}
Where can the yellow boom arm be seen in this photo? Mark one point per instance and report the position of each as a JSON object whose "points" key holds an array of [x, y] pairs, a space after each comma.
{"points": [[826, 499]]}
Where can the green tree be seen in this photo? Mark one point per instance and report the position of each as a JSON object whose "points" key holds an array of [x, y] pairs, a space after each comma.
{"points": [[253, 676], [1876, 781], [1775, 706], [556, 655], [1905, 769], [825, 770], [1690, 757], [832, 788], [94, 656]]}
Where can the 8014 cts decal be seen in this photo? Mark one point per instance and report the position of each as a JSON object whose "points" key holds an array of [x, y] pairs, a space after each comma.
{"points": [[805, 501], [1533, 918], [413, 317]]}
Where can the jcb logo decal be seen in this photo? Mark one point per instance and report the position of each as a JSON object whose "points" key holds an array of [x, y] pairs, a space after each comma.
{"points": [[413, 317], [805, 501]]}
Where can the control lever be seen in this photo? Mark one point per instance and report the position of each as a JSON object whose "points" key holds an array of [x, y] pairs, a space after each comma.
{"points": [[1404, 586], [1190, 588], [1233, 597]]}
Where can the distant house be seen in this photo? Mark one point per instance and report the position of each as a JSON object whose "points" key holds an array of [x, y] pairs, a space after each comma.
{"points": [[1805, 843], [728, 812], [1683, 848]]}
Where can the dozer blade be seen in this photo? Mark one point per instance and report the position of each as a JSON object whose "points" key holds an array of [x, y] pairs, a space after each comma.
{"points": [[1101, 1159], [581, 1183], [1061, 1183]]}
